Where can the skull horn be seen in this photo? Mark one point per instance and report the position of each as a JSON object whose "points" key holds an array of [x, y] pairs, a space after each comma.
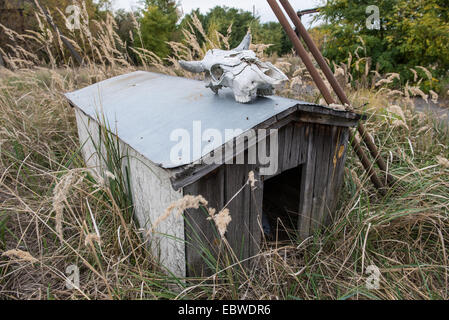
{"points": [[246, 42], [192, 66]]}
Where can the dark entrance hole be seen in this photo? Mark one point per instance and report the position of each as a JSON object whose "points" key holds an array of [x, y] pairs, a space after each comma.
{"points": [[281, 204]]}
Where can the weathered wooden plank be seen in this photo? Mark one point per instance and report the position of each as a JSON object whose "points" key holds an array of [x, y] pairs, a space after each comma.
{"points": [[296, 144], [202, 240], [267, 123], [286, 113], [318, 142], [281, 144], [255, 215], [245, 208], [285, 121], [323, 144], [299, 144], [331, 174], [185, 177], [317, 109], [285, 148], [307, 181], [325, 168], [327, 119], [249, 232], [292, 146], [303, 142], [238, 234], [340, 159]]}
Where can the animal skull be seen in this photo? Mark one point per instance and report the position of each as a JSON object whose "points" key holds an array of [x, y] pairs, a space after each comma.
{"points": [[238, 69]]}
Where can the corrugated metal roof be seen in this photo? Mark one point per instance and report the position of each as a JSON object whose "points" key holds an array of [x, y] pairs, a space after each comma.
{"points": [[144, 108]]}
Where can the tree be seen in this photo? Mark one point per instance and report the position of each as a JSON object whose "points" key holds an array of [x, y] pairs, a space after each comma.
{"points": [[126, 27], [272, 33], [57, 10], [412, 33], [158, 25], [220, 18]]}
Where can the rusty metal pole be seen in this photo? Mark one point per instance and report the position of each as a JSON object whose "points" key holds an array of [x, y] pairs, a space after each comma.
{"points": [[335, 85], [302, 52], [323, 89]]}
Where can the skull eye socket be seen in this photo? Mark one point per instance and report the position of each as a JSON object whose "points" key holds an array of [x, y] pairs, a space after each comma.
{"points": [[216, 72], [270, 73], [273, 73]]}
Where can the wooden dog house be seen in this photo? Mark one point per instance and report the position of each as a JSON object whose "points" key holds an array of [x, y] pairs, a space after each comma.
{"points": [[144, 109]]}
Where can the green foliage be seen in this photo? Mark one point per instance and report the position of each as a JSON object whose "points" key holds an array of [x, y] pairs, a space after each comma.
{"points": [[220, 18], [31, 18], [272, 33], [126, 25], [158, 25], [95, 10], [413, 33]]}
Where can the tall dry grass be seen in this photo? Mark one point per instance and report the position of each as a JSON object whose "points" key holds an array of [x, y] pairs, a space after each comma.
{"points": [[55, 212]]}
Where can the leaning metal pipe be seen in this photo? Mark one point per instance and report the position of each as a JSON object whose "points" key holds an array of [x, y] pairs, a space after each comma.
{"points": [[323, 89], [301, 52], [335, 85]]}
